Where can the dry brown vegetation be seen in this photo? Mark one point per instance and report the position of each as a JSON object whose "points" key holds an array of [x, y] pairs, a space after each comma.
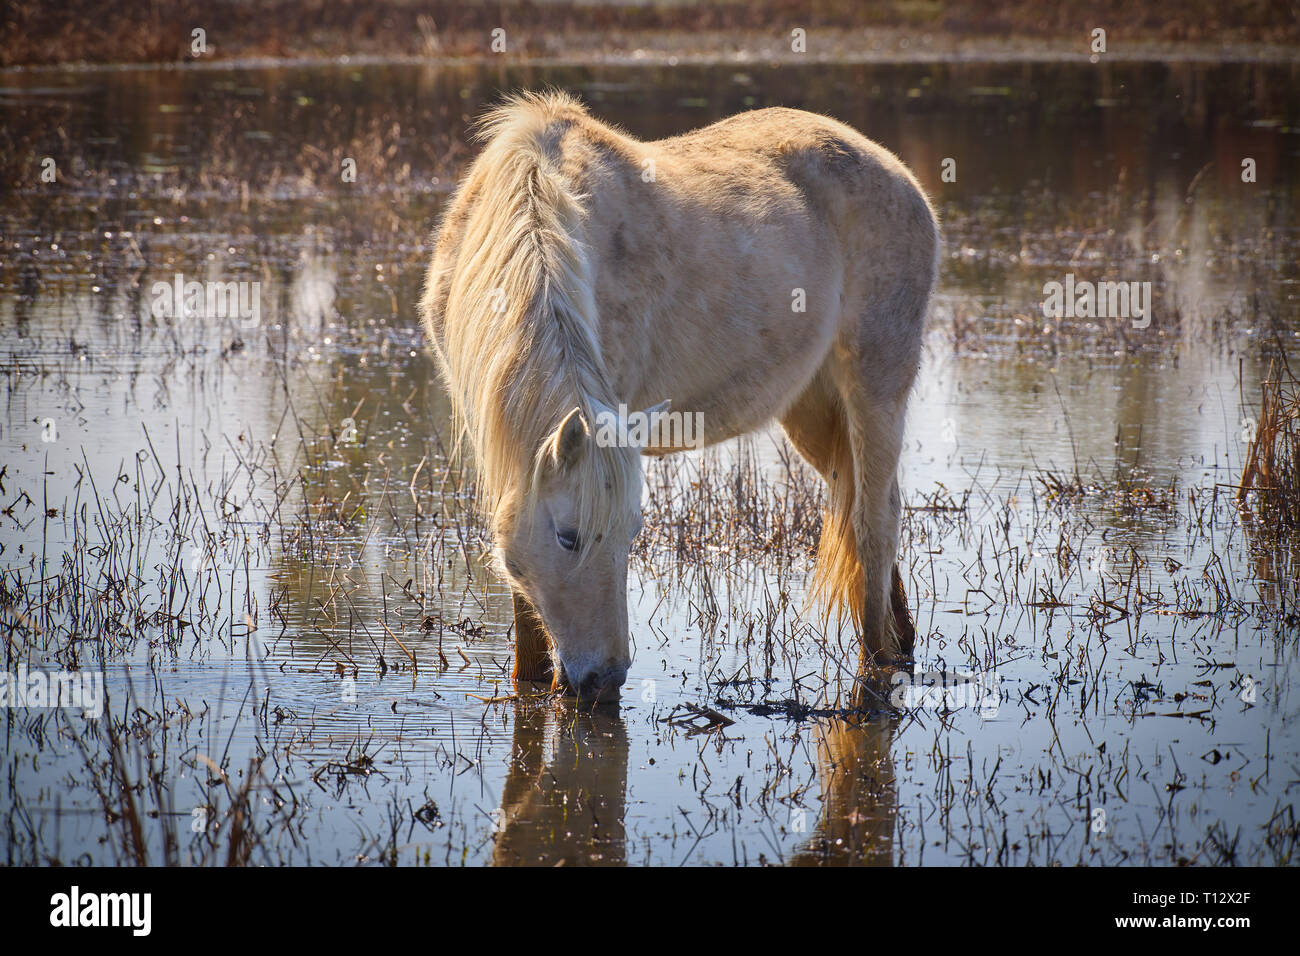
{"points": [[35, 32], [1272, 469]]}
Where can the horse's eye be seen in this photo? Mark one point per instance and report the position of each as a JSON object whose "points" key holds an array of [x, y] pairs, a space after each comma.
{"points": [[568, 540]]}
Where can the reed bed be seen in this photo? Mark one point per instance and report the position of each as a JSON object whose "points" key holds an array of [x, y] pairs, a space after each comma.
{"points": [[1270, 478]]}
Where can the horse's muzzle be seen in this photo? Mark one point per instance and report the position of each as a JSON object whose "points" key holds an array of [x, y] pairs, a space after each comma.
{"points": [[600, 686]]}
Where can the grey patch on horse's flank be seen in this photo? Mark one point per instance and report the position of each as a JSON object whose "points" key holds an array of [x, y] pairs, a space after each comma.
{"points": [[550, 139], [619, 250], [841, 155]]}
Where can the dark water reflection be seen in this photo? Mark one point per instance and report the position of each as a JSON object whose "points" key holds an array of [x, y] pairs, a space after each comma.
{"points": [[306, 459], [564, 797]]}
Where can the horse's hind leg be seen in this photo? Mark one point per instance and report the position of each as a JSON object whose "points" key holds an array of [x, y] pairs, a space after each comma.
{"points": [[875, 431], [818, 426], [904, 627]]}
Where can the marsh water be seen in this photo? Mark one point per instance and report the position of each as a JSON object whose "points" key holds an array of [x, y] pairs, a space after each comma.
{"points": [[251, 526]]}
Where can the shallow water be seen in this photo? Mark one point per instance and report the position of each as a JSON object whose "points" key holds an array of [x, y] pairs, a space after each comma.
{"points": [[254, 530]]}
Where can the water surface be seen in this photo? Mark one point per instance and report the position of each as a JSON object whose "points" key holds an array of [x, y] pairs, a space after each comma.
{"points": [[255, 531]]}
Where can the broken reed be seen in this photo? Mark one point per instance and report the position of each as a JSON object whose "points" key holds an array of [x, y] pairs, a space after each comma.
{"points": [[1272, 469]]}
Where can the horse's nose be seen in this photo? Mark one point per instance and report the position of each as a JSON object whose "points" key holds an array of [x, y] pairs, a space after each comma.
{"points": [[602, 684]]}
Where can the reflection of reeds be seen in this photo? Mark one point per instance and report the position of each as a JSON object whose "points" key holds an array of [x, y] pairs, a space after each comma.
{"points": [[1272, 469], [227, 834]]}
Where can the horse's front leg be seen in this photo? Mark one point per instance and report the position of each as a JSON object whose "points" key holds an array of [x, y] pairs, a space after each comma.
{"points": [[532, 645]]}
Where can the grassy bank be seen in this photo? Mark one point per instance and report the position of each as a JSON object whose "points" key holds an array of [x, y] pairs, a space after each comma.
{"points": [[83, 31]]}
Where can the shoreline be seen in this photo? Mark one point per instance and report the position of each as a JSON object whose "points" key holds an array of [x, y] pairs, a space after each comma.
{"points": [[1027, 51], [77, 34]]}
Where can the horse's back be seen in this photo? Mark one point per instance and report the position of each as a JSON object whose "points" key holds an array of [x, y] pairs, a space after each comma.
{"points": [[734, 253], [750, 245]]}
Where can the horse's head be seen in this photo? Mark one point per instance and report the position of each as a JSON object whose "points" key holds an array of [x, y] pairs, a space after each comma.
{"points": [[564, 545]]}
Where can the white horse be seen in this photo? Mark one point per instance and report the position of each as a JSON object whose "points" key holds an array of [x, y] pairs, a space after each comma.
{"points": [[774, 265]]}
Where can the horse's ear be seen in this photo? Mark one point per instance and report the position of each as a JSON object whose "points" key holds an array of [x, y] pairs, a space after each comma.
{"points": [[651, 417], [569, 443]]}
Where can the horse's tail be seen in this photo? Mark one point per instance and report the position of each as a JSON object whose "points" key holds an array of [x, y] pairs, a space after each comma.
{"points": [[838, 579]]}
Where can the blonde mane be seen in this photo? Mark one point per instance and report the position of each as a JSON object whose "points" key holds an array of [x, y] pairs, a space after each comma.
{"points": [[520, 344]]}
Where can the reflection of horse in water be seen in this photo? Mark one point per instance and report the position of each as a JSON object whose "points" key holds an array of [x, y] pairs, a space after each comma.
{"points": [[563, 800], [859, 794], [565, 791]]}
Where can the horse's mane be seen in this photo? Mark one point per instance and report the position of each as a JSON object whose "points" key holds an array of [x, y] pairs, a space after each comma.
{"points": [[521, 342]]}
